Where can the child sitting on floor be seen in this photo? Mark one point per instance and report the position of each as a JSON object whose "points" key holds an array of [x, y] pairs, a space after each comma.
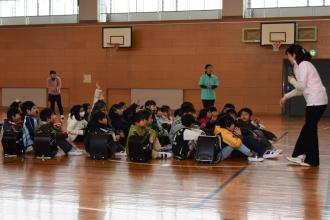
{"points": [[30, 114], [49, 125], [13, 125], [245, 122], [233, 139], [77, 124], [204, 117], [141, 127]]}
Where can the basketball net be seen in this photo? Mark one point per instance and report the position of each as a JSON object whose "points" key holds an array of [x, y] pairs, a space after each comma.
{"points": [[112, 49], [276, 45]]}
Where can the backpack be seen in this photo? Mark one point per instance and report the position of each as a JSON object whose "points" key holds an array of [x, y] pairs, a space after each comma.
{"points": [[100, 146], [44, 145], [208, 149], [139, 148], [180, 147], [12, 143]]}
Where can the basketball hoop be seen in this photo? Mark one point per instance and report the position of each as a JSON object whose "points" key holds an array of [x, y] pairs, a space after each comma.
{"points": [[276, 45], [112, 48]]}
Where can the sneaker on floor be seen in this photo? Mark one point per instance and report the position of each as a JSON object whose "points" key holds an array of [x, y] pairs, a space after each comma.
{"points": [[165, 155], [29, 149], [271, 154], [279, 151], [75, 152], [255, 159], [300, 160], [120, 154]]}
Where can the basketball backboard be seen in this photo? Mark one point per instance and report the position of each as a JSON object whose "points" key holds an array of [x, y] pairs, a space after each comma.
{"points": [[112, 36], [277, 32]]}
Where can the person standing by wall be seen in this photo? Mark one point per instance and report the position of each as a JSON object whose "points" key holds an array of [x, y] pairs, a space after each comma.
{"points": [[208, 83], [54, 85]]}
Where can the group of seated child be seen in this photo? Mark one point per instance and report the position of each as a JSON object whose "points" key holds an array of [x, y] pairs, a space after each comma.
{"points": [[239, 133]]}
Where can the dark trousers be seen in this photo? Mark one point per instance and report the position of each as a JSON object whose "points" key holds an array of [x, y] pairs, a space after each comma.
{"points": [[255, 145], [64, 145], [58, 100], [208, 103], [308, 142]]}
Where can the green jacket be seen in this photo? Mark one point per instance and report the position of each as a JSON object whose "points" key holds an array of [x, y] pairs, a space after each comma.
{"points": [[47, 128], [141, 132], [205, 81]]}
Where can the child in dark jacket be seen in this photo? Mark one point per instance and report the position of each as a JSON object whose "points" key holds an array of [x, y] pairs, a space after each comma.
{"points": [[30, 114], [118, 122], [13, 125], [99, 125], [49, 125]]}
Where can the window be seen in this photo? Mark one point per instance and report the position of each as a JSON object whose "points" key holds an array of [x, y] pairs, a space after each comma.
{"points": [[19, 8], [286, 3], [131, 6]]}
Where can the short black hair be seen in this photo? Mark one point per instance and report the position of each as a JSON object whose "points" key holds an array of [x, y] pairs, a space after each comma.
{"points": [[229, 105], [149, 103], [188, 120], [231, 111], [225, 121], [247, 110], [27, 105], [52, 72], [138, 116], [11, 113], [187, 110], [301, 53], [45, 114], [122, 104], [189, 104], [208, 65], [15, 104], [165, 108], [146, 114]]}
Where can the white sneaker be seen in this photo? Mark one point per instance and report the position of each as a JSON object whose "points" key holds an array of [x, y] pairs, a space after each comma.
{"points": [[279, 151], [255, 159], [165, 155], [75, 152], [120, 154], [300, 160], [271, 154], [29, 149]]}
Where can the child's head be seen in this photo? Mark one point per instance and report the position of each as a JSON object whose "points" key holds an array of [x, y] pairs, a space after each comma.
{"points": [[78, 112], [188, 120], [139, 119], [187, 110], [208, 68], [228, 106], [245, 114], [16, 105], [214, 112], [187, 104], [13, 115], [151, 106], [116, 109], [148, 117], [165, 110], [100, 105], [227, 122], [101, 118], [47, 115], [52, 74], [30, 109], [123, 105], [232, 113], [87, 107]]}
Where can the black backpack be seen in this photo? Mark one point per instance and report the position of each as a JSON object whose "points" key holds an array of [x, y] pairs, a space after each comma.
{"points": [[180, 147], [139, 148], [100, 146], [44, 145], [208, 149], [12, 143]]}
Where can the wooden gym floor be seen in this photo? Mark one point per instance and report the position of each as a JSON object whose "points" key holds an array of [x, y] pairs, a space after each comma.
{"points": [[79, 188]]}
